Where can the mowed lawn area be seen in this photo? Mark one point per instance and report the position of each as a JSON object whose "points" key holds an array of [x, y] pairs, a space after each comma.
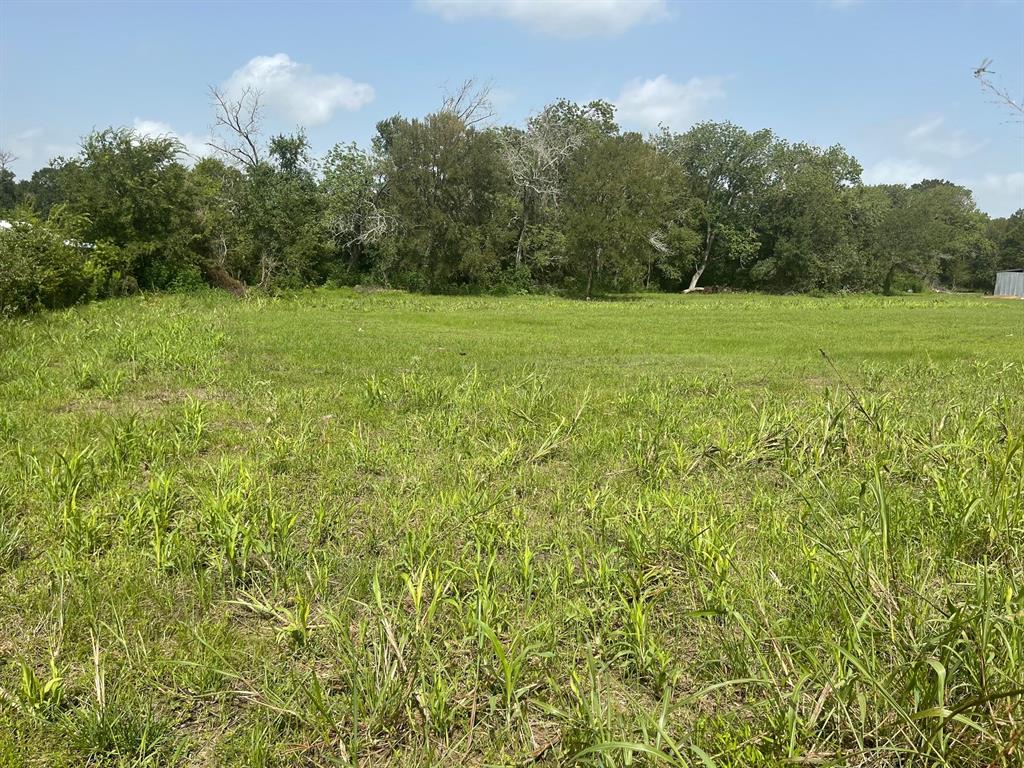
{"points": [[378, 529]]}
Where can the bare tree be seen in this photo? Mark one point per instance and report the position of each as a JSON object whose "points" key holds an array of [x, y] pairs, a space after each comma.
{"points": [[470, 102], [6, 159], [240, 118], [999, 95]]}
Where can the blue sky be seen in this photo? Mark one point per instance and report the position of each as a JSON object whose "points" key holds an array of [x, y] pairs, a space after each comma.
{"points": [[890, 81]]}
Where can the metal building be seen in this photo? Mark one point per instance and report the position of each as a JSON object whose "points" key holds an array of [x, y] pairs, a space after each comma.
{"points": [[1010, 283]]}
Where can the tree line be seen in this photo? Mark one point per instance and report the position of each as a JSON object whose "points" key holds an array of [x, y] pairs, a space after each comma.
{"points": [[568, 202]]}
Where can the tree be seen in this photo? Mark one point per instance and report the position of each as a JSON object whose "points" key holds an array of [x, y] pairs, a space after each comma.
{"points": [[135, 194], [920, 231], [278, 205], [1010, 242], [238, 120], [443, 183], [45, 263], [470, 102], [281, 210], [615, 199], [226, 251], [355, 216], [537, 158], [804, 220], [726, 170], [8, 187], [43, 190]]}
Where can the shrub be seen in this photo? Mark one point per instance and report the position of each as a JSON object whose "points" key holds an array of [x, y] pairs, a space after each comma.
{"points": [[43, 265]]}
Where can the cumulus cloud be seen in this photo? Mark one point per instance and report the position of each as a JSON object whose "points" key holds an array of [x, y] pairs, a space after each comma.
{"points": [[930, 136], [563, 18], [195, 145], [662, 101], [891, 171], [295, 91]]}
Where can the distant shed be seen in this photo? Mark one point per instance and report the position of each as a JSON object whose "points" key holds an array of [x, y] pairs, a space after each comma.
{"points": [[1010, 283]]}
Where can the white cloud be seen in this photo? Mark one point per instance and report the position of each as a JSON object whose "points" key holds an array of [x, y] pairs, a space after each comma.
{"points": [[194, 145], [649, 103], [32, 150], [564, 18], [930, 137], [892, 171], [1006, 182], [999, 193], [295, 91], [926, 128]]}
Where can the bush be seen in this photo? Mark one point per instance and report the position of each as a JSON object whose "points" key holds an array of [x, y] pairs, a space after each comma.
{"points": [[44, 266]]}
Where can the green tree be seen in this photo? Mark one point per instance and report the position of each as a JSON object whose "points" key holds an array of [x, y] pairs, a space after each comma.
{"points": [[225, 249], [8, 186], [354, 214], [539, 156], [726, 170], [444, 185], [1010, 243], [43, 190], [44, 264], [931, 232], [135, 194], [805, 226], [616, 201], [281, 210]]}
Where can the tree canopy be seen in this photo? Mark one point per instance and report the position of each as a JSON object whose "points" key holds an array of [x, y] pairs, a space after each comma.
{"points": [[449, 202]]}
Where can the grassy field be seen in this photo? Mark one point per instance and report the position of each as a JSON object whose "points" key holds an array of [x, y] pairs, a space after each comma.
{"points": [[386, 530]]}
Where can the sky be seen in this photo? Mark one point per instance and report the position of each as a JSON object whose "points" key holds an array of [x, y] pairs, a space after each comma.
{"points": [[890, 81]]}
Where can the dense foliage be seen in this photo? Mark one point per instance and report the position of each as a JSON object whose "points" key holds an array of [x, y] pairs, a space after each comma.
{"points": [[443, 204]]}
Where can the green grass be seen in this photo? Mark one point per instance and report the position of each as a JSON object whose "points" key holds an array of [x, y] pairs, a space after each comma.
{"points": [[387, 530]]}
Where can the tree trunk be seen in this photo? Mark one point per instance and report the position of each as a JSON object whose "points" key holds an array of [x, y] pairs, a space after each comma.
{"points": [[519, 244], [266, 270], [590, 272], [887, 283], [709, 243], [522, 236], [355, 246], [696, 277], [354, 257]]}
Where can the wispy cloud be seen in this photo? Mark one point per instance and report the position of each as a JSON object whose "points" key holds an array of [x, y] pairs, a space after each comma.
{"points": [[899, 171], [296, 92], [1003, 182], [930, 136], [998, 193], [663, 101], [562, 18]]}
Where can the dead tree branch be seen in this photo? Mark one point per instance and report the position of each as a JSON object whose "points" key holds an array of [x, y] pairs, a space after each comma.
{"points": [[240, 118], [998, 94], [470, 102]]}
